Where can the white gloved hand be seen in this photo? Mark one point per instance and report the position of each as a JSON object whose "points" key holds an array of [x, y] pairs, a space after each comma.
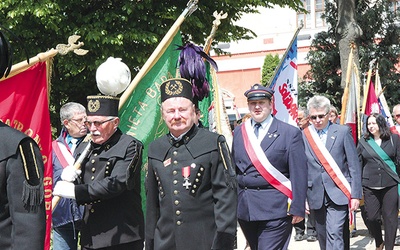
{"points": [[70, 173], [64, 189]]}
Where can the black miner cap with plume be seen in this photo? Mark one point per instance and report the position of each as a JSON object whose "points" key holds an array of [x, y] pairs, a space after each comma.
{"points": [[193, 68]]}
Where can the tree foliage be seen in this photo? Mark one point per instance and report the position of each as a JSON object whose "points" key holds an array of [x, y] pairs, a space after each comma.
{"points": [[125, 28], [379, 41], [269, 66]]}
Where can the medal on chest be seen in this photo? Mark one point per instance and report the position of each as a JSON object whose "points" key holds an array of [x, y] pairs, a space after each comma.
{"points": [[186, 175]]}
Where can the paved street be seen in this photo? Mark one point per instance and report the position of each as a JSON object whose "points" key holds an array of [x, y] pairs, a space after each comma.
{"points": [[361, 241]]}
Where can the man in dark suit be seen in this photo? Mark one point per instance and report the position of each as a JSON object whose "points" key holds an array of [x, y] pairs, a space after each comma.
{"points": [[272, 174], [334, 173], [191, 186]]}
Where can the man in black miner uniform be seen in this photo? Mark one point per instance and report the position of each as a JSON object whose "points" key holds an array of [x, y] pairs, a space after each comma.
{"points": [[191, 186], [22, 208], [110, 188]]}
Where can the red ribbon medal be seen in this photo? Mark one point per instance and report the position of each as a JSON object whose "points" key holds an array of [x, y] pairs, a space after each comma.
{"points": [[186, 174]]}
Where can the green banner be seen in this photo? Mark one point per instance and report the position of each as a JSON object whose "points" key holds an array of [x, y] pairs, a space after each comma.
{"points": [[140, 115]]}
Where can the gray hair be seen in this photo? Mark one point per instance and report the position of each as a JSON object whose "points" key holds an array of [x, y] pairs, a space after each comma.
{"points": [[319, 102], [68, 110], [304, 110]]}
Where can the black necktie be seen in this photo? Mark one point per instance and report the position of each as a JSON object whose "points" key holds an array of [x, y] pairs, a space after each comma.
{"points": [[256, 127]]}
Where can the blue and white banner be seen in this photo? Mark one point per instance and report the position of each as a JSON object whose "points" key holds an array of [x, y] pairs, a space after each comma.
{"points": [[285, 86]]}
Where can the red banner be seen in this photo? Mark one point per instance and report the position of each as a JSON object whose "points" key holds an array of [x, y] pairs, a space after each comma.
{"points": [[25, 107]]}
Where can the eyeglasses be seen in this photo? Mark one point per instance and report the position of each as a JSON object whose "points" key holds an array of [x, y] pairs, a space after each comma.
{"points": [[79, 121], [97, 123], [314, 117]]}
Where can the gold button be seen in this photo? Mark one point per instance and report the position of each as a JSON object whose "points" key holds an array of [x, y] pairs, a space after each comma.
{"points": [[176, 144], [175, 153], [95, 154], [162, 193], [176, 192], [193, 191], [194, 186], [92, 178], [175, 162], [92, 210], [176, 202], [175, 182], [106, 172], [178, 212], [93, 170], [93, 161], [174, 172], [201, 169], [178, 223], [108, 163], [198, 174], [197, 180]]}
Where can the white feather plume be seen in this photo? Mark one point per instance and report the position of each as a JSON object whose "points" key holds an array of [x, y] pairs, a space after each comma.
{"points": [[113, 76]]}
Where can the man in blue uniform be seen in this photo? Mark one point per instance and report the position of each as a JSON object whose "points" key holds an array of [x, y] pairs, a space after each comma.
{"points": [[191, 186], [271, 172]]}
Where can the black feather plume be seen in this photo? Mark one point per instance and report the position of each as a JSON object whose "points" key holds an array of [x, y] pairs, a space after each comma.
{"points": [[192, 68]]}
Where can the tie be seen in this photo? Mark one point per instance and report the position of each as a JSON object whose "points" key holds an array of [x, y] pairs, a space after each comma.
{"points": [[74, 141], [256, 127]]}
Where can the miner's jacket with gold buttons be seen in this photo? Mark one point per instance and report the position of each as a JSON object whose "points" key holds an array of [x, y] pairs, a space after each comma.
{"points": [[191, 193]]}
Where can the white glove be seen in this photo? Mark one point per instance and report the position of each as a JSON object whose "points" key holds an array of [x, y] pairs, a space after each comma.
{"points": [[64, 189], [70, 173]]}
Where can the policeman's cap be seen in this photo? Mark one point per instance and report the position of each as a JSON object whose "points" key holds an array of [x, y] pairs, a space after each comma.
{"points": [[258, 92]]}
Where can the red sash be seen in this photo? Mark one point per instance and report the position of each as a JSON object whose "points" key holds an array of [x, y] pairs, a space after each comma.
{"points": [[261, 163], [62, 154], [327, 161]]}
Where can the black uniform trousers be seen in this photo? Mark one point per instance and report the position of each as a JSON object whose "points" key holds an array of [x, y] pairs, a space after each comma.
{"points": [[382, 203]]}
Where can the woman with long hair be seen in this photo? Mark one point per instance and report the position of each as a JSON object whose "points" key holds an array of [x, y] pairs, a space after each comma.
{"points": [[379, 153]]}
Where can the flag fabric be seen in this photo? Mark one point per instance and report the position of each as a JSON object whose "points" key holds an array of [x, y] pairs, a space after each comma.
{"points": [[285, 87], [25, 107], [351, 114], [384, 108], [140, 115], [217, 115], [372, 105]]}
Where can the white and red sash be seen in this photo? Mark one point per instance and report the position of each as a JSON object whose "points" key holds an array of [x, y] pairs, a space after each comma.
{"points": [[327, 161], [261, 162], [63, 154]]}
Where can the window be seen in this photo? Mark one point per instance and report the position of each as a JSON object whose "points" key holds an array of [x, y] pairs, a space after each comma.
{"points": [[313, 17]]}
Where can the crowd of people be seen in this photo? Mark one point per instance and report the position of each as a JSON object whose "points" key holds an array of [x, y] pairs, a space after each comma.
{"points": [[273, 178]]}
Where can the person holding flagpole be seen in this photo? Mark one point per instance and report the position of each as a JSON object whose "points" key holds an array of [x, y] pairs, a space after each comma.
{"points": [[379, 153], [67, 215], [271, 172], [334, 173]]}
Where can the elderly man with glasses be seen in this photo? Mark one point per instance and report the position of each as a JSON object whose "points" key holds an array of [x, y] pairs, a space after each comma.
{"points": [[109, 185], [67, 214], [334, 173]]}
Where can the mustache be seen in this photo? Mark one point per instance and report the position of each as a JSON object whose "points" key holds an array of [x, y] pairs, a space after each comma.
{"points": [[95, 133], [181, 120]]}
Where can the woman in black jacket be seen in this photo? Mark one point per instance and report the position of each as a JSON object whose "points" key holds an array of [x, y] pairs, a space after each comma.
{"points": [[379, 152]]}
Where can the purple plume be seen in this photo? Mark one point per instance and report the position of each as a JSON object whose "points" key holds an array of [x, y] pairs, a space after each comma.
{"points": [[192, 68]]}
